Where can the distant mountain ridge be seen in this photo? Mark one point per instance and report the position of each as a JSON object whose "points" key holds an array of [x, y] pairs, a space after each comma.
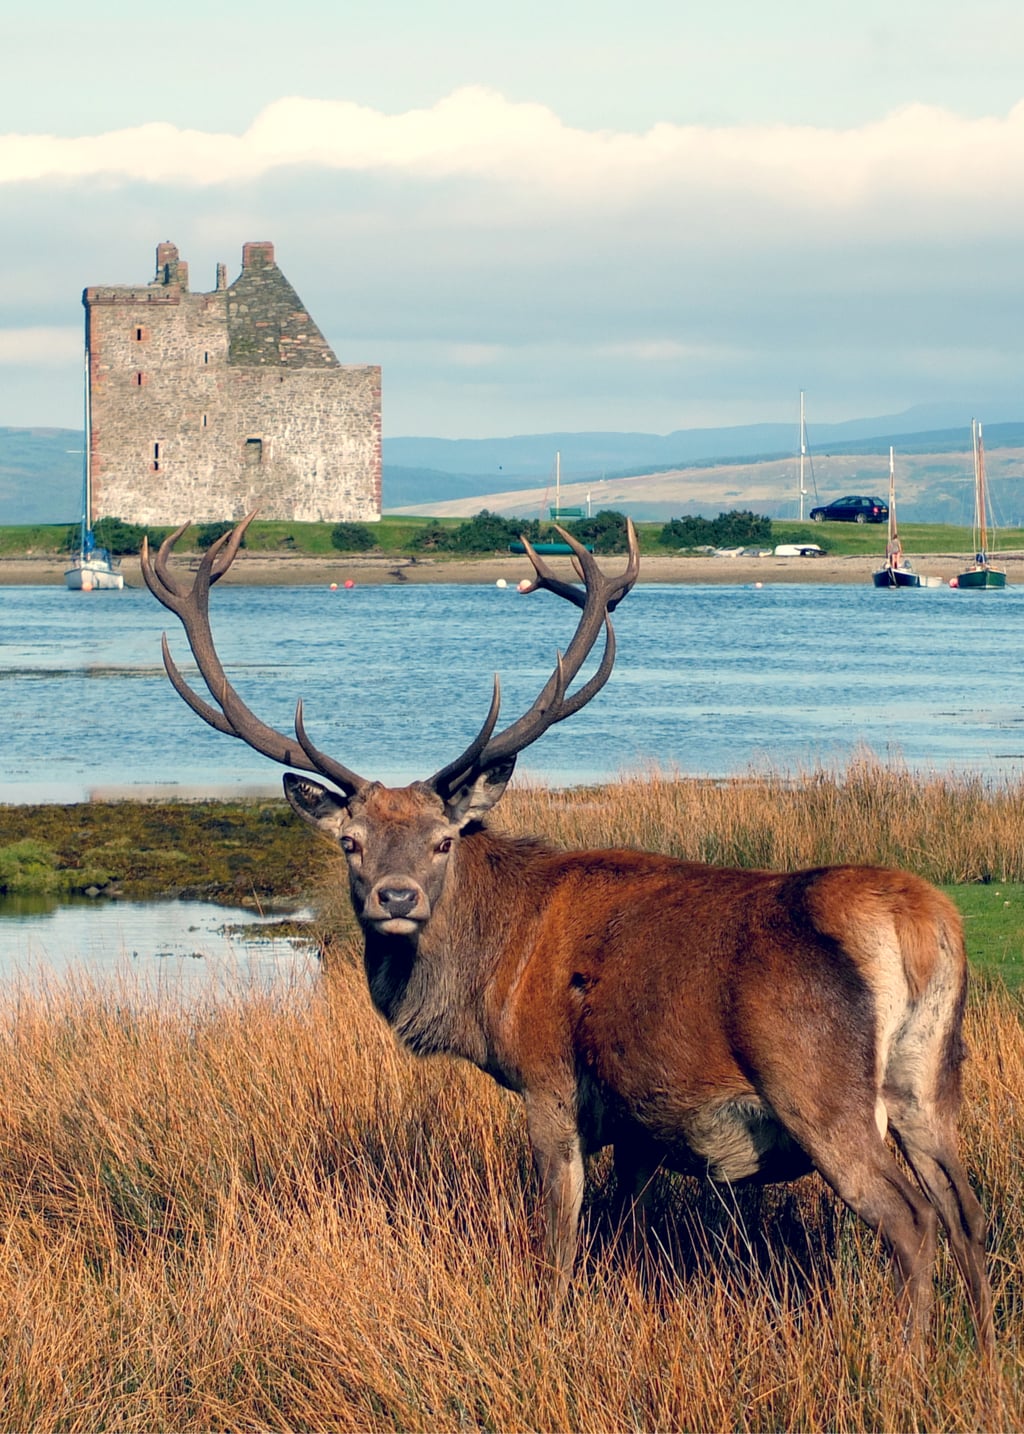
{"points": [[40, 468]]}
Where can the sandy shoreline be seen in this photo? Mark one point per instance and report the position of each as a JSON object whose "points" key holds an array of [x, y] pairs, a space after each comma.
{"points": [[263, 569]]}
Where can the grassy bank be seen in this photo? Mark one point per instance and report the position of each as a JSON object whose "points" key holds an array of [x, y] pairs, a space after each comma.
{"points": [[258, 1214], [392, 536]]}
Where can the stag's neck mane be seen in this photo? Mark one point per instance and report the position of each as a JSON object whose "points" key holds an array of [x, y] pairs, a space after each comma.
{"points": [[433, 989]]}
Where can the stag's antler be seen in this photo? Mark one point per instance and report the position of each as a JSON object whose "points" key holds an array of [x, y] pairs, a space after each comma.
{"points": [[192, 608], [598, 598]]}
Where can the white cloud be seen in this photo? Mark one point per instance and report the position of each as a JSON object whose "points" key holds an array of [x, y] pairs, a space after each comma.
{"points": [[915, 153], [40, 345], [476, 355], [659, 351]]}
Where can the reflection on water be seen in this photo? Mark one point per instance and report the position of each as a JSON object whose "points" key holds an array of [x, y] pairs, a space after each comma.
{"points": [[185, 946]]}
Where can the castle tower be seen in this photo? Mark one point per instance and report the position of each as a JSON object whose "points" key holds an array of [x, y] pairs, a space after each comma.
{"points": [[206, 406]]}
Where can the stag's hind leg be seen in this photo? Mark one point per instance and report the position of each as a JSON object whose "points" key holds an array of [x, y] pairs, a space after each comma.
{"points": [[866, 1176], [921, 1091], [931, 1153]]}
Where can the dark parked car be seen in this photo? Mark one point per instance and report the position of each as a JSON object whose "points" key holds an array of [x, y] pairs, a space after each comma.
{"points": [[852, 510]]}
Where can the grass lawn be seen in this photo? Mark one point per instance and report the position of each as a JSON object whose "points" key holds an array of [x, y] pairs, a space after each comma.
{"points": [[993, 914], [393, 533]]}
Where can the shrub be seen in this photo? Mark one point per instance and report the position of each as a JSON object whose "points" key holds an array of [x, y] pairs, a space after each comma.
{"points": [[729, 530], [352, 538], [491, 533], [605, 532], [432, 538], [209, 533], [119, 537]]}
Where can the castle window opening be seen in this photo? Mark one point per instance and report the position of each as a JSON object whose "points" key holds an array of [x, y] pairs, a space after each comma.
{"points": [[253, 451], [140, 379], [204, 420], [206, 357], [140, 334], [156, 458]]}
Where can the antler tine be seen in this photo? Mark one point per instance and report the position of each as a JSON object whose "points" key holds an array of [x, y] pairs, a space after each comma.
{"points": [[346, 779], [191, 607], [444, 779], [584, 561], [597, 599]]}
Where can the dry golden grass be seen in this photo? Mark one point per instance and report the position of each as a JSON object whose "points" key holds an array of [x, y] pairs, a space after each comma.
{"points": [[949, 828], [260, 1215], [257, 1214]]}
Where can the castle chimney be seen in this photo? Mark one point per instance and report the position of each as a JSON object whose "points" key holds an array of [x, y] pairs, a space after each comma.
{"points": [[222, 276], [170, 269], [166, 261], [258, 254]]}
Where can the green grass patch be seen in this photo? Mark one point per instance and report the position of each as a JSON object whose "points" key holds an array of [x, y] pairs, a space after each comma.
{"points": [[32, 540], [993, 914], [859, 540], [393, 534]]}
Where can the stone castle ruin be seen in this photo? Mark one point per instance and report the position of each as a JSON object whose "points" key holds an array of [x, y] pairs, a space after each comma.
{"points": [[206, 406]]}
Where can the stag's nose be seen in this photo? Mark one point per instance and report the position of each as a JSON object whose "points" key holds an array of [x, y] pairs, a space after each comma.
{"points": [[397, 901]]}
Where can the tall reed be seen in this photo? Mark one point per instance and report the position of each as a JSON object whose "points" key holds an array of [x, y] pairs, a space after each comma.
{"points": [[259, 1214], [949, 827], [254, 1212]]}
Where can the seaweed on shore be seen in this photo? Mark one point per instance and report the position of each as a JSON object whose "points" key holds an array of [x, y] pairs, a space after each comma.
{"points": [[243, 853]]}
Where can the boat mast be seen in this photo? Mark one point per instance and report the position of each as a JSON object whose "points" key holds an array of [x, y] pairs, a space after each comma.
{"points": [[803, 454], [980, 517], [892, 496], [87, 460], [893, 551], [558, 481]]}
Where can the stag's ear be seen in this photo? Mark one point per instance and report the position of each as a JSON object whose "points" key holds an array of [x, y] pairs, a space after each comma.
{"points": [[315, 803], [474, 799]]}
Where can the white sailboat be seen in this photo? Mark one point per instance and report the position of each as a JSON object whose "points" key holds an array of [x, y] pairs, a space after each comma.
{"points": [[897, 571], [92, 568]]}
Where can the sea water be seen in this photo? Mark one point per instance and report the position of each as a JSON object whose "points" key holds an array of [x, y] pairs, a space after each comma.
{"points": [[712, 681]]}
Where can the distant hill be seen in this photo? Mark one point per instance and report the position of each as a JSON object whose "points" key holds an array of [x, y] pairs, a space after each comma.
{"points": [[934, 475], [40, 475], [654, 476]]}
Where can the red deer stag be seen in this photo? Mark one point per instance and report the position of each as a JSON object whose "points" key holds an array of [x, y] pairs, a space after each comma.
{"points": [[743, 1025]]}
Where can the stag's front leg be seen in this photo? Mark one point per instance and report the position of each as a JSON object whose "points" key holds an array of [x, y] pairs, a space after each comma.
{"points": [[558, 1160]]}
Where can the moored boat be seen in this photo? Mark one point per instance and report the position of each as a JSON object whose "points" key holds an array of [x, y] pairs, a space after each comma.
{"points": [[897, 571], [92, 567], [983, 574]]}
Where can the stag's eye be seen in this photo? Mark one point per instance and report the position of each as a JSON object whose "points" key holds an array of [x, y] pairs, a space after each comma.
{"points": [[444, 845], [349, 844]]}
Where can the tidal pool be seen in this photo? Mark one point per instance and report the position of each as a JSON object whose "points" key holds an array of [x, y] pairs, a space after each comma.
{"points": [[183, 945]]}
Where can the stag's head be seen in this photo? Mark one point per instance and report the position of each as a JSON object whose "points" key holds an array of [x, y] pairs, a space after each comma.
{"points": [[398, 841]]}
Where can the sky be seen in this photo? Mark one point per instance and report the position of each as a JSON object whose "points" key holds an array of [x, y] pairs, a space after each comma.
{"points": [[557, 216]]}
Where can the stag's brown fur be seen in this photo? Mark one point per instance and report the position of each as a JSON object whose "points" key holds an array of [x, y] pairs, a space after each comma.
{"points": [[741, 1025]]}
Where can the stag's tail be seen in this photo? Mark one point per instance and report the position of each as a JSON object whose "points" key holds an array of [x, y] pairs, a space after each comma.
{"points": [[921, 1084]]}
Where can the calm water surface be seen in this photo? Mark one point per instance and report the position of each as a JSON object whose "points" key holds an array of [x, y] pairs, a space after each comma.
{"points": [[162, 947], [396, 680]]}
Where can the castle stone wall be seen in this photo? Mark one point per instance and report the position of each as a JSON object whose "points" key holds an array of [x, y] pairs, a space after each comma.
{"points": [[207, 405]]}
